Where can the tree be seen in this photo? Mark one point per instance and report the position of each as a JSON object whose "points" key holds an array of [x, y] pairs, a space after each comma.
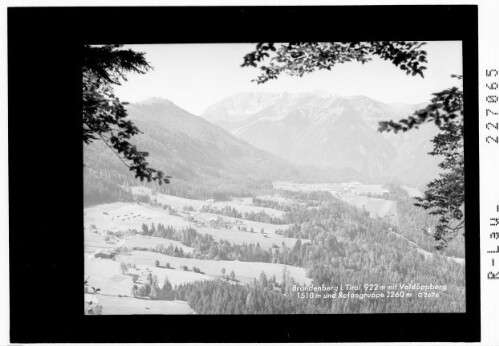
{"points": [[155, 292], [299, 58], [444, 196], [263, 279], [95, 309], [123, 268], [134, 291], [222, 271], [232, 275], [145, 229], [104, 115], [91, 308], [167, 290], [156, 263]]}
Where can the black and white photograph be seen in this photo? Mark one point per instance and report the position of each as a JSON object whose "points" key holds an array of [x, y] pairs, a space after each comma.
{"points": [[286, 173], [274, 178]]}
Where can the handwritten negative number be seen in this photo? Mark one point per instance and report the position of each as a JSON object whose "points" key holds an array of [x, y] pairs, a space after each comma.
{"points": [[496, 126], [494, 99]]}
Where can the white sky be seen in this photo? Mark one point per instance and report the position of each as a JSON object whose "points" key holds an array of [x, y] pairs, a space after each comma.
{"points": [[194, 76]]}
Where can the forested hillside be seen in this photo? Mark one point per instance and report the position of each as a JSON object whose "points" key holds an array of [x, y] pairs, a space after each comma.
{"points": [[337, 244], [204, 160]]}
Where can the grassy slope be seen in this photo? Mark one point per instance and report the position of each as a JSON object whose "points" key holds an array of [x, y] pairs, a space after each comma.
{"points": [[131, 306], [245, 271]]}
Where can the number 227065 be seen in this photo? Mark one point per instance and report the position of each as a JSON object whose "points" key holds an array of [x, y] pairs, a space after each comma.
{"points": [[492, 99]]}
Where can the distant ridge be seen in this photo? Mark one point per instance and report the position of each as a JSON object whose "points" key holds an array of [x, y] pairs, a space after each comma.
{"points": [[330, 131]]}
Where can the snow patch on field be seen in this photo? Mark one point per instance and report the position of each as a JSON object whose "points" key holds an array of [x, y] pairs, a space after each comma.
{"points": [[113, 305], [152, 242], [106, 275], [122, 216], [376, 207], [243, 205], [245, 271]]}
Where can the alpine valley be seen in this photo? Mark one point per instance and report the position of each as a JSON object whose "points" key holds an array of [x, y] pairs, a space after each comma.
{"points": [[270, 195]]}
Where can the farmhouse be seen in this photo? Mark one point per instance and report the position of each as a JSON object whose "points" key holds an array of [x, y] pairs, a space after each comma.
{"points": [[216, 221]]}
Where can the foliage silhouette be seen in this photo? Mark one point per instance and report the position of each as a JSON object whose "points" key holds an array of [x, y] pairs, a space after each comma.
{"points": [[444, 196], [299, 58], [104, 115]]}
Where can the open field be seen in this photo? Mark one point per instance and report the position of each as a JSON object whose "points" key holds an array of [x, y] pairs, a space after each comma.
{"points": [[334, 188], [242, 237], [257, 226], [243, 205], [235, 236], [376, 207], [308, 187], [245, 271], [113, 305], [122, 216], [342, 188], [175, 275], [331, 187], [353, 193], [148, 242], [276, 198], [115, 217], [106, 275], [96, 241]]}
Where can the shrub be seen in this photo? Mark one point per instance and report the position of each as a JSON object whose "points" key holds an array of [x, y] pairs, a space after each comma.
{"points": [[123, 267], [95, 310]]}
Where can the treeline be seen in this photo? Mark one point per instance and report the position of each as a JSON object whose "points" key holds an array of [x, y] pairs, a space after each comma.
{"points": [[307, 196], [269, 203], [347, 253], [105, 178], [219, 297], [150, 289], [347, 246], [297, 198], [261, 216], [331, 212], [413, 221], [205, 247], [339, 244], [102, 187]]}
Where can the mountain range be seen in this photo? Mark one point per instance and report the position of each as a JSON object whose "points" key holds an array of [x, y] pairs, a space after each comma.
{"points": [[331, 132], [204, 160], [243, 143]]}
